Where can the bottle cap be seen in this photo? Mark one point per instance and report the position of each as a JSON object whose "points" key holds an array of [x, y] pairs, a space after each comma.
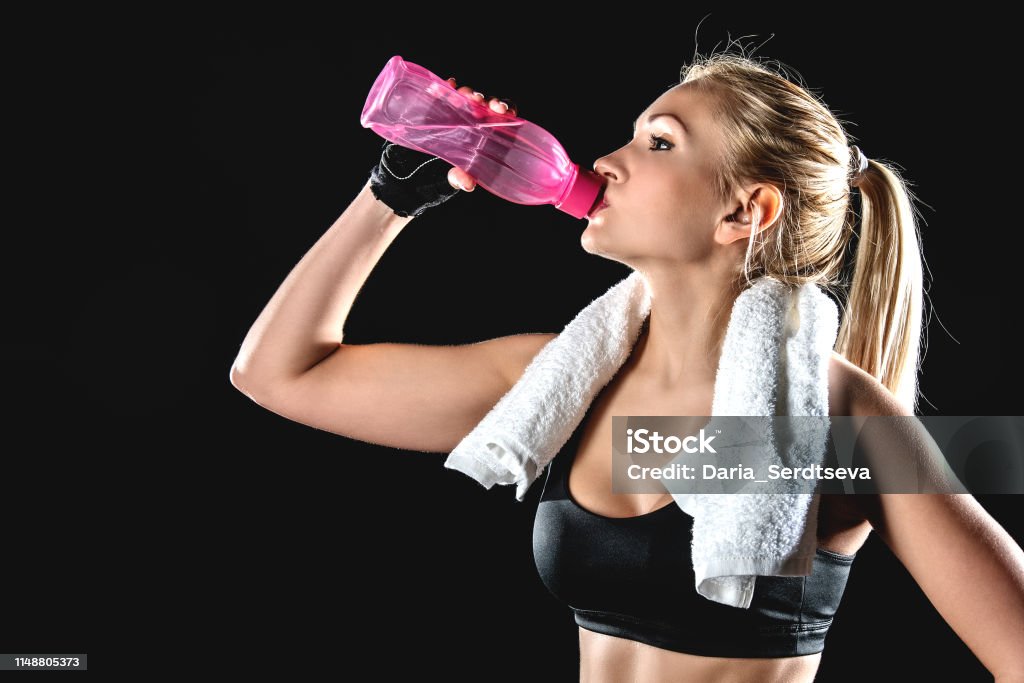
{"points": [[582, 194]]}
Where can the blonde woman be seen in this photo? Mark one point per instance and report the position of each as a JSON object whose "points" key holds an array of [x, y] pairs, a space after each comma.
{"points": [[733, 174]]}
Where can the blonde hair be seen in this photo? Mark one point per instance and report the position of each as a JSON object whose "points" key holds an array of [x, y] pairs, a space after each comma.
{"points": [[778, 132]]}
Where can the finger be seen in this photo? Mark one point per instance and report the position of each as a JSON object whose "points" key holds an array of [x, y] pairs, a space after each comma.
{"points": [[474, 94], [460, 179], [498, 105], [453, 179], [510, 106]]}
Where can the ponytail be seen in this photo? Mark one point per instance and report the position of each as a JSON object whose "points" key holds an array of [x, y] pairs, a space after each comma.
{"points": [[881, 328]]}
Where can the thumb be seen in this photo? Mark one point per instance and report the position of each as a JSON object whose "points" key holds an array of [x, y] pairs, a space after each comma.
{"points": [[460, 179]]}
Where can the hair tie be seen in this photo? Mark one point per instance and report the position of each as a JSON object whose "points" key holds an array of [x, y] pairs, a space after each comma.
{"points": [[861, 160]]}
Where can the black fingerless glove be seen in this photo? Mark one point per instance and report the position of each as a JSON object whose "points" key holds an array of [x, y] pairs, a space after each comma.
{"points": [[410, 181]]}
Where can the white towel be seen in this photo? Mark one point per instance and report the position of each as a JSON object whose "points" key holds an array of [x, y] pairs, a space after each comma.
{"points": [[775, 361]]}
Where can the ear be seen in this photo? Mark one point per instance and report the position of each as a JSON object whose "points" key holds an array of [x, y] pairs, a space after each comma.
{"points": [[762, 199]]}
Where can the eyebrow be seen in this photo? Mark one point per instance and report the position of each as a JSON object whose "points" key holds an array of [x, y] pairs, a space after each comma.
{"points": [[665, 114]]}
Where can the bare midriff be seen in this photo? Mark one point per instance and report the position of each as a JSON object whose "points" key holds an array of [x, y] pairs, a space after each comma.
{"points": [[608, 659]]}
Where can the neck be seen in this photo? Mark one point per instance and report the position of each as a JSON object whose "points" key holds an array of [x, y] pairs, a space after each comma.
{"points": [[681, 342]]}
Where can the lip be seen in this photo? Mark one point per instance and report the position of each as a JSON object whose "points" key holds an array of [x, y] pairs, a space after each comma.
{"points": [[601, 205]]}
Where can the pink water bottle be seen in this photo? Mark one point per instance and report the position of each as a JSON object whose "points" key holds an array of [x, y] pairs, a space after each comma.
{"points": [[506, 155]]}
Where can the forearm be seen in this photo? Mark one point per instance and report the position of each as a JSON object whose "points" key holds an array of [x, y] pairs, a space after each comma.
{"points": [[304, 320]]}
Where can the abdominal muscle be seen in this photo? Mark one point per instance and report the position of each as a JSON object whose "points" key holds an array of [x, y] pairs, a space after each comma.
{"points": [[608, 659]]}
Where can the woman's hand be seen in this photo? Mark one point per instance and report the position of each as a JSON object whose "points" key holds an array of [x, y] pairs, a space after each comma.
{"points": [[456, 176], [410, 181]]}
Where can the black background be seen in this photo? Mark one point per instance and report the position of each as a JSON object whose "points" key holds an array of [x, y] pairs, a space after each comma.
{"points": [[173, 171]]}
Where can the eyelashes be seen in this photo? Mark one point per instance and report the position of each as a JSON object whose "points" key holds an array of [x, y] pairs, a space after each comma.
{"points": [[656, 140]]}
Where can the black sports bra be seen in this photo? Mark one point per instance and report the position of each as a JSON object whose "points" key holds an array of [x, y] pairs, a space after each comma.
{"points": [[632, 577]]}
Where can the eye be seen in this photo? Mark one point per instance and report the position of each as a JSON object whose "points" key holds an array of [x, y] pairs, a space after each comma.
{"points": [[655, 140]]}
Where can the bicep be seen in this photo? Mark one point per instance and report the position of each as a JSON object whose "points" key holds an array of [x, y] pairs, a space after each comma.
{"points": [[407, 396]]}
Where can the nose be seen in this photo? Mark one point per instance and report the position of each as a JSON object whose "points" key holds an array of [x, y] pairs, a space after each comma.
{"points": [[604, 167]]}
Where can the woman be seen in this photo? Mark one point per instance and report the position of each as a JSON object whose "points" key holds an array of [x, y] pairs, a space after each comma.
{"points": [[733, 174]]}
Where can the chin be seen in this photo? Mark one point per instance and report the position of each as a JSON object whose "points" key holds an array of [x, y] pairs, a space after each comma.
{"points": [[595, 243], [590, 241]]}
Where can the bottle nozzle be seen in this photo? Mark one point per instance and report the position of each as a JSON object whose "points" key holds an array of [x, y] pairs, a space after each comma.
{"points": [[582, 194]]}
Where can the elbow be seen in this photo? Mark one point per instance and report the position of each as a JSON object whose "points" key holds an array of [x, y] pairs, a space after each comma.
{"points": [[235, 376], [239, 380], [258, 389], [258, 377]]}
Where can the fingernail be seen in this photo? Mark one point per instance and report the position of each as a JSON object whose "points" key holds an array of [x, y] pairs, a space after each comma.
{"points": [[505, 105], [478, 94]]}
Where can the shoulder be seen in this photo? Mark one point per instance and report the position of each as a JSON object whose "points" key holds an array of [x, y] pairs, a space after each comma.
{"points": [[854, 391], [864, 396]]}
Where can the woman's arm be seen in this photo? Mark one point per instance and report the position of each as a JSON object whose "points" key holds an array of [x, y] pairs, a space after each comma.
{"points": [[409, 396], [302, 323], [970, 568]]}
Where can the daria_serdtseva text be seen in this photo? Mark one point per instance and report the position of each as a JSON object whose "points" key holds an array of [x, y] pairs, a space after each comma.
{"points": [[679, 471]]}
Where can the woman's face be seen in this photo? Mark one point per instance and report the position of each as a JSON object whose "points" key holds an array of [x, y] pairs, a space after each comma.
{"points": [[661, 203]]}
